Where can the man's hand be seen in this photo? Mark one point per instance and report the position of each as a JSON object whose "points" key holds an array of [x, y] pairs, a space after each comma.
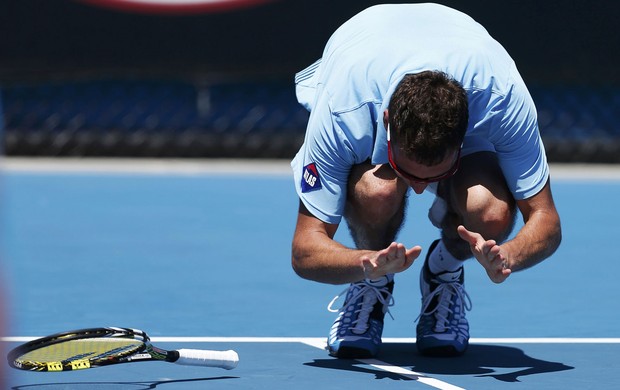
{"points": [[488, 254], [391, 260]]}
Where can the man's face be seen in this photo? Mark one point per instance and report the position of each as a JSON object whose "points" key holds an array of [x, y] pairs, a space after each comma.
{"points": [[417, 175]]}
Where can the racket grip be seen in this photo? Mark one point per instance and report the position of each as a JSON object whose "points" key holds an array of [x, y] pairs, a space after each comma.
{"points": [[200, 357]]}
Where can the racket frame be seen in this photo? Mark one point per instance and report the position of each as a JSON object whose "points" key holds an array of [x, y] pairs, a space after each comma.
{"points": [[143, 352]]}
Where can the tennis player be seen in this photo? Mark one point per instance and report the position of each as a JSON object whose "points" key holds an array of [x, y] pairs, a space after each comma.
{"points": [[417, 97]]}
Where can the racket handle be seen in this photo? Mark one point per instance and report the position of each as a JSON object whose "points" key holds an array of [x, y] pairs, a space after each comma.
{"points": [[200, 357]]}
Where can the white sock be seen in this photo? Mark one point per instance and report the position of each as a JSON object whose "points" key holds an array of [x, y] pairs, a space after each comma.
{"points": [[441, 260]]}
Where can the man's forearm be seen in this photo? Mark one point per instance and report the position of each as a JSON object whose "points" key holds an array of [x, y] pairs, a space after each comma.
{"points": [[538, 239]]}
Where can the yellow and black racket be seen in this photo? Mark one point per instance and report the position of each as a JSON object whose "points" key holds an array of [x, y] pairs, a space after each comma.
{"points": [[95, 347]]}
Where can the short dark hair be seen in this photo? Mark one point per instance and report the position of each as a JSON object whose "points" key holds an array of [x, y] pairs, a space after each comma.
{"points": [[428, 116]]}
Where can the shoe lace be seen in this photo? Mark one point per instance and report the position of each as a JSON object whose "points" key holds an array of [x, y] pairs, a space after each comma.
{"points": [[370, 295], [443, 309]]}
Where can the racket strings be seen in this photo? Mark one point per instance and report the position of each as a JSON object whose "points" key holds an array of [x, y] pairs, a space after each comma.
{"points": [[92, 349]]}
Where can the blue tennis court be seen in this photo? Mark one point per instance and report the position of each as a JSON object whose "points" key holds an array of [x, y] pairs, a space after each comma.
{"points": [[197, 254]]}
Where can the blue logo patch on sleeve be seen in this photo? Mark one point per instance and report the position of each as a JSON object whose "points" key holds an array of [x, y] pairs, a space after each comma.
{"points": [[310, 180]]}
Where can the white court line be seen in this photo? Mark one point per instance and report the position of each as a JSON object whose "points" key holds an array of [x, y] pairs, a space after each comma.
{"points": [[416, 376], [315, 341], [383, 366]]}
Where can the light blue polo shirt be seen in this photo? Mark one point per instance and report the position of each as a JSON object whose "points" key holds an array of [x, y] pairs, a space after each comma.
{"points": [[348, 89]]}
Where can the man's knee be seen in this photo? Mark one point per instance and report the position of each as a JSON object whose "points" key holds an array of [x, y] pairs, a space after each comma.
{"points": [[489, 215], [479, 199], [375, 206], [375, 193]]}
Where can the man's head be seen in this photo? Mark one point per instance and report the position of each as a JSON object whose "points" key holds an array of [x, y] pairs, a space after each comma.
{"points": [[428, 117]]}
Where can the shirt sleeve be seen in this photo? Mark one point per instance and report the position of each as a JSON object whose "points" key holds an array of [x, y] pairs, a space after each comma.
{"points": [[334, 142], [518, 144]]}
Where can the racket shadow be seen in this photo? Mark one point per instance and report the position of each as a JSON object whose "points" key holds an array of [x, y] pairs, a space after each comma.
{"points": [[114, 385]]}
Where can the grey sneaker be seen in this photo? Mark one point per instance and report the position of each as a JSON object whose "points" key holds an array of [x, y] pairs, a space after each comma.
{"points": [[442, 329], [356, 332]]}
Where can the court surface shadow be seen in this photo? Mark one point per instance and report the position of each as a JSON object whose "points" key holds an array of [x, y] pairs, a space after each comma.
{"points": [[504, 363]]}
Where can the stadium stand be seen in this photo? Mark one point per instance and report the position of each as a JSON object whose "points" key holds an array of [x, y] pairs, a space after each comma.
{"points": [[159, 118]]}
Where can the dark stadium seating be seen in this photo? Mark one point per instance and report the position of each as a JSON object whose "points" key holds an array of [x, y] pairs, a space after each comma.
{"points": [[172, 118]]}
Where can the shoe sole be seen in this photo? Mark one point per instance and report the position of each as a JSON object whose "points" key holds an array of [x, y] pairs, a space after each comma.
{"points": [[351, 353]]}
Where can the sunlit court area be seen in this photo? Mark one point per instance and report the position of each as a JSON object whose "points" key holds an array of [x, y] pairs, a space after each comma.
{"points": [[147, 197]]}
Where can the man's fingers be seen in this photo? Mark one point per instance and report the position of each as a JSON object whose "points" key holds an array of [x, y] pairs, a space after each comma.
{"points": [[413, 253], [488, 254], [464, 233], [410, 255], [471, 237], [394, 258], [490, 249]]}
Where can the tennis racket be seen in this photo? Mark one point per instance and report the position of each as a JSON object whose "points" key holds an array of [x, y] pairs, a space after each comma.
{"points": [[95, 347]]}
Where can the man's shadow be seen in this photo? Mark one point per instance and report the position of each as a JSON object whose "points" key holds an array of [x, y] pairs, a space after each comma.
{"points": [[479, 360]]}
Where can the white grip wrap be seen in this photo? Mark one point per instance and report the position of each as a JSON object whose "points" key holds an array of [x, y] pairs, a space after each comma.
{"points": [[199, 357]]}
